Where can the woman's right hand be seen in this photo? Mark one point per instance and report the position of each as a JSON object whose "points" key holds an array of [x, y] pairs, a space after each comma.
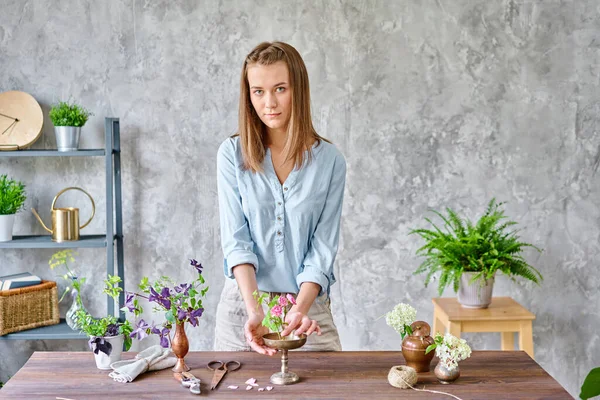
{"points": [[254, 331]]}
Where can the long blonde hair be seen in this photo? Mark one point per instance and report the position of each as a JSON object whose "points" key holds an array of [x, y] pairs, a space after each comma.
{"points": [[300, 130]]}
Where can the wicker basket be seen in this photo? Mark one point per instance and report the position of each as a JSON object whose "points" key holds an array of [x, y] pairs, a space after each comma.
{"points": [[28, 307]]}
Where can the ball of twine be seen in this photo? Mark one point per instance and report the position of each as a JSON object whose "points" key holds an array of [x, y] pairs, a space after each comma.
{"points": [[402, 377]]}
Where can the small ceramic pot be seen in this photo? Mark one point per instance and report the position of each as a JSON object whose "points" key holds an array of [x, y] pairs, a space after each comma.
{"points": [[477, 294], [6, 227], [445, 375], [103, 361]]}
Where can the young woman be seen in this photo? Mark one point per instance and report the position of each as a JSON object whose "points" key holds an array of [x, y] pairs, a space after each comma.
{"points": [[280, 201]]}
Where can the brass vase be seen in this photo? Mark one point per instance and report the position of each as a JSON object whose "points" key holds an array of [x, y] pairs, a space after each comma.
{"points": [[285, 377], [414, 346], [180, 347]]}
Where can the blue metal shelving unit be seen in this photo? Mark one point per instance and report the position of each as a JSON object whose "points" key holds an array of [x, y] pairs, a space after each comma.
{"points": [[112, 240]]}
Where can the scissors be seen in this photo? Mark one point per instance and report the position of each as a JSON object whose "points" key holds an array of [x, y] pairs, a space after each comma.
{"points": [[221, 369]]}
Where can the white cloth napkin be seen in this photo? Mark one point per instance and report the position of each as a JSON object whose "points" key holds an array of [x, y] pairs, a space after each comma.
{"points": [[152, 359]]}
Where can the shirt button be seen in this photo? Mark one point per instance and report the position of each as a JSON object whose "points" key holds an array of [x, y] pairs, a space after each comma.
{"points": [[279, 233], [278, 218], [285, 188], [278, 203]]}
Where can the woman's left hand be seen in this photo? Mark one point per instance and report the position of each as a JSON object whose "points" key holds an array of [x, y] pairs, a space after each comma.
{"points": [[301, 323]]}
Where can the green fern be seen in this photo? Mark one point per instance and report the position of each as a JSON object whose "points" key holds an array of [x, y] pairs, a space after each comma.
{"points": [[484, 247]]}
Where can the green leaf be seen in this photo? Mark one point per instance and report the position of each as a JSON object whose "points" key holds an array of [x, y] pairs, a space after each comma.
{"points": [[591, 385], [430, 347], [170, 317]]}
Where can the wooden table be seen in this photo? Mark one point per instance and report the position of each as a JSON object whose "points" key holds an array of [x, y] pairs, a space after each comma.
{"points": [[341, 375], [504, 315]]}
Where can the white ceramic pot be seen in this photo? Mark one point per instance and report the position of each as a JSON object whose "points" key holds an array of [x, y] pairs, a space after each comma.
{"points": [[477, 294], [102, 360], [6, 227]]}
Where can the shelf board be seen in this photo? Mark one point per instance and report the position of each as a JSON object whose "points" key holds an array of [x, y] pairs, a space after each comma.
{"points": [[45, 242], [54, 153], [60, 331]]}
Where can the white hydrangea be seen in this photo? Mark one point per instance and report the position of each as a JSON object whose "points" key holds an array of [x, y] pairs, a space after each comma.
{"points": [[452, 350], [401, 315]]}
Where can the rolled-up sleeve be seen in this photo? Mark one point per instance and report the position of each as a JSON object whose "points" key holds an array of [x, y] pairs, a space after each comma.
{"points": [[318, 262], [236, 241]]}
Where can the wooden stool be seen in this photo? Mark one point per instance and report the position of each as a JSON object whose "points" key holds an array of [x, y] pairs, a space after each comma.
{"points": [[504, 315]]}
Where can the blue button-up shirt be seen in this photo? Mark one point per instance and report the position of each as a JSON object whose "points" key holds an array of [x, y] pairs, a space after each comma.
{"points": [[288, 232]]}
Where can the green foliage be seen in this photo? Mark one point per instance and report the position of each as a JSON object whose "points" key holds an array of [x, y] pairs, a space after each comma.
{"points": [[278, 307], [65, 114], [12, 195], [485, 248], [591, 385], [437, 341], [101, 327]]}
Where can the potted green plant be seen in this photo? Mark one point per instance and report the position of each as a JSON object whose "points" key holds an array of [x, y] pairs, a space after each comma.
{"points": [[107, 335], [68, 119], [12, 198], [467, 256]]}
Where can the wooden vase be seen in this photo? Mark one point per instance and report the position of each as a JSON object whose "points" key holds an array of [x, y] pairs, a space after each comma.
{"points": [[414, 346], [180, 347]]}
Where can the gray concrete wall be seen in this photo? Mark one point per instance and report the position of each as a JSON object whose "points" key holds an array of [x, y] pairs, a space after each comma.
{"points": [[434, 103]]}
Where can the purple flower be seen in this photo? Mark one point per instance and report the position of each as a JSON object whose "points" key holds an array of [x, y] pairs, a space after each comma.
{"points": [[190, 314], [129, 302], [162, 298], [183, 288], [164, 336], [196, 265], [112, 330], [194, 315], [141, 330]]}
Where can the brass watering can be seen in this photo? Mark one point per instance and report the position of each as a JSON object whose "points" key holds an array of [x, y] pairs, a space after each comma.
{"points": [[65, 221]]}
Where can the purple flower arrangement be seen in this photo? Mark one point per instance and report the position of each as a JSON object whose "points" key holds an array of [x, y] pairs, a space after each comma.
{"points": [[180, 303]]}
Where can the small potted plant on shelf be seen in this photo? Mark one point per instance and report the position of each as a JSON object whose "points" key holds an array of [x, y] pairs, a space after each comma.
{"points": [[180, 304], [415, 336], [467, 256], [12, 198], [107, 335], [450, 350], [61, 260], [68, 119]]}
